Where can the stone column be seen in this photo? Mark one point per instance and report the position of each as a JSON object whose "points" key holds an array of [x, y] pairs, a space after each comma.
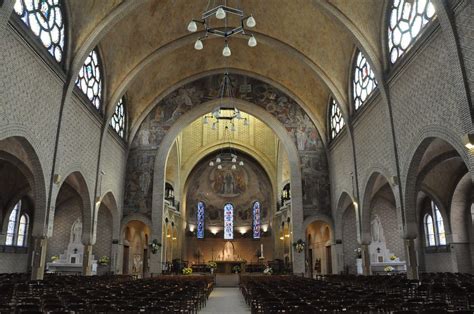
{"points": [[39, 257], [87, 260], [337, 257], [412, 262], [116, 257], [155, 264], [365, 259]]}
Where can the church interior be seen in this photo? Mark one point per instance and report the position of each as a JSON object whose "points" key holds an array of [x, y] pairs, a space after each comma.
{"points": [[240, 156]]}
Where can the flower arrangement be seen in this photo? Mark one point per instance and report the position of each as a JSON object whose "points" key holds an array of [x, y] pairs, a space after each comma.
{"points": [[54, 258], [104, 260], [212, 264], [299, 245], [187, 271], [358, 252], [155, 246], [393, 257], [236, 269], [268, 270], [388, 269]]}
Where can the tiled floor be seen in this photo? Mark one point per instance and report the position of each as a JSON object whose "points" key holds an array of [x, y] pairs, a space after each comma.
{"points": [[226, 300]]}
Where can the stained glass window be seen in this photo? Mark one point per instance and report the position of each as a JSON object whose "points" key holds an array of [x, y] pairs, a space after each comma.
{"points": [[407, 20], [228, 221], [118, 119], [45, 19], [89, 79], [364, 81], [256, 220], [200, 220], [12, 224], [336, 119], [22, 231]]}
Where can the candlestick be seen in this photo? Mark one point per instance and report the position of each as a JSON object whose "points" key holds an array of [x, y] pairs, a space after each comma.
{"points": [[261, 250]]}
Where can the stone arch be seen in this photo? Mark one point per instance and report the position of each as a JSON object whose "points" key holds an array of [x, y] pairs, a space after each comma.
{"points": [[188, 117], [78, 183], [18, 151], [321, 217], [409, 176], [375, 182], [134, 217], [344, 202], [110, 203]]}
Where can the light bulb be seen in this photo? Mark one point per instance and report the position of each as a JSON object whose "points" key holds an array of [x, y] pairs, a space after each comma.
{"points": [[213, 126], [198, 45], [241, 163], [219, 167], [233, 167], [246, 122], [218, 160], [251, 22], [192, 26], [234, 160], [226, 51], [252, 41], [220, 14], [211, 164], [205, 120]]}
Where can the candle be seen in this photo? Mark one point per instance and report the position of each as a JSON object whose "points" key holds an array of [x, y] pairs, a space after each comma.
{"points": [[261, 250]]}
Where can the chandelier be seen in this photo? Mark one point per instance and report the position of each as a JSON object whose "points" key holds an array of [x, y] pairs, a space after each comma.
{"points": [[227, 155], [226, 113], [222, 12]]}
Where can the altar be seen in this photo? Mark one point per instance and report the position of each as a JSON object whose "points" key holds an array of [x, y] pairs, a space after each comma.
{"points": [[225, 267]]}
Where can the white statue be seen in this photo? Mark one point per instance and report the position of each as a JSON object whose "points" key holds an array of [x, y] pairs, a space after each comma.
{"points": [[228, 254], [377, 230]]}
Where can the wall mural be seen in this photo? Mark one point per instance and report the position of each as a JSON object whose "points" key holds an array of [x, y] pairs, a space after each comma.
{"points": [[217, 187], [139, 178]]}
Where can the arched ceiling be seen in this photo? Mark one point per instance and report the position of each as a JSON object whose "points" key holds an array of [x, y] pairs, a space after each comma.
{"points": [[304, 45]]}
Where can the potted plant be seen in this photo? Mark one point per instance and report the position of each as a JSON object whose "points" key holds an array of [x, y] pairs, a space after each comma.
{"points": [[358, 252], [187, 271], [212, 265], [299, 245], [393, 258], [268, 270], [104, 261], [236, 269], [155, 246], [388, 269], [54, 258]]}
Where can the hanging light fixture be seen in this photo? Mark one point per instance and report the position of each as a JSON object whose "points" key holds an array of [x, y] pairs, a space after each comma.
{"points": [[227, 156], [222, 12], [226, 113]]}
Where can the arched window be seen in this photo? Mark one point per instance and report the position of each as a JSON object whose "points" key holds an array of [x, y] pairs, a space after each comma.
{"points": [[89, 79], [407, 20], [200, 220], [12, 224], [429, 230], [228, 221], [45, 18], [22, 230], [434, 228], [364, 82], [256, 223], [335, 119], [118, 119]]}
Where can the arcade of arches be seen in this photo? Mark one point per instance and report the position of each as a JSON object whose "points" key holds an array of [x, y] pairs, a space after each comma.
{"points": [[346, 146]]}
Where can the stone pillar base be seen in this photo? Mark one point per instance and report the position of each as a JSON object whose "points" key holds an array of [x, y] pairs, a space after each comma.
{"points": [[39, 257], [87, 261], [412, 262]]}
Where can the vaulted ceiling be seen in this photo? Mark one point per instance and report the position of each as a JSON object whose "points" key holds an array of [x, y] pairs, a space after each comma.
{"points": [[304, 47]]}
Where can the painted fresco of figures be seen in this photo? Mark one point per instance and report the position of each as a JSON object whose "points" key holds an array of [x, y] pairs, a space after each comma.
{"points": [[157, 123]]}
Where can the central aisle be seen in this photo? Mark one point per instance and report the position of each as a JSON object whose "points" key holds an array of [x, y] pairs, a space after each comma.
{"points": [[226, 300]]}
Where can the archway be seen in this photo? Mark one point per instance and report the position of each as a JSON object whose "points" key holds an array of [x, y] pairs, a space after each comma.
{"points": [[439, 187], [319, 248], [22, 191], [136, 235]]}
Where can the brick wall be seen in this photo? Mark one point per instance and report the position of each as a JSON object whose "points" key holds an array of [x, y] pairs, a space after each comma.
{"points": [[349, 239], [103, 244]]}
